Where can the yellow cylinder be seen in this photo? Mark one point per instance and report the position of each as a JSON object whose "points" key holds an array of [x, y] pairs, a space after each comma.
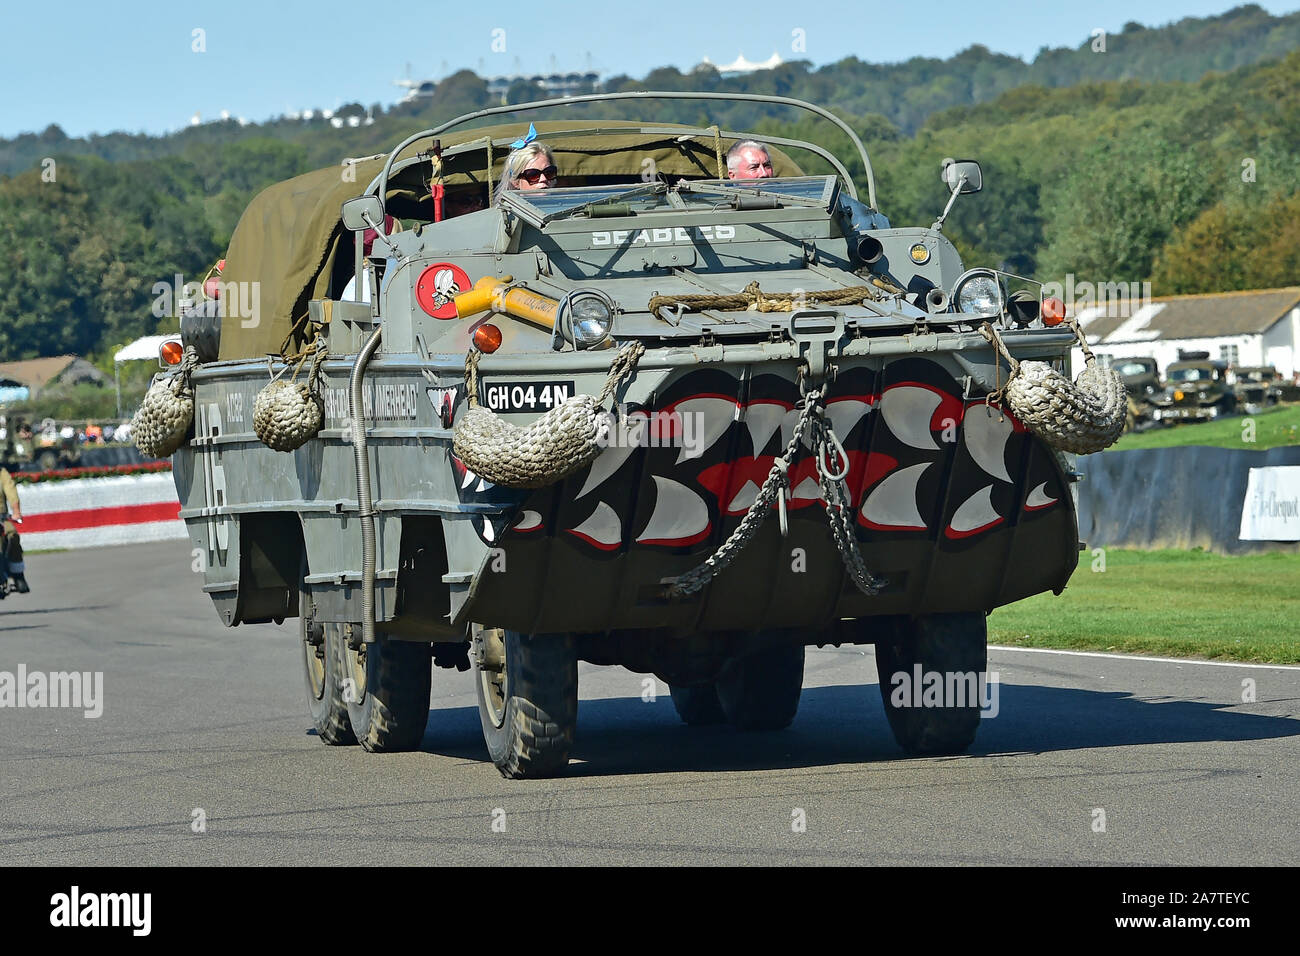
{"points": [[491, 293]]}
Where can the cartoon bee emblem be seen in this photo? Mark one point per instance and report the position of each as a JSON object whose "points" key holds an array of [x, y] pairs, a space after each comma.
{"points": [[438, 286]]}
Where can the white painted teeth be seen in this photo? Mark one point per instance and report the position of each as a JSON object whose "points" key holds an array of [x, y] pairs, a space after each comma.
{"points": [[747, 495], [603, 528], [845, 415], [1038, 498], [467, 480], [711, 417], [679, 514], [528, 521], [892, 503], [907, 410], [489, 535], [808, 488], [612, 457], [986, 440], [762, 419], [975, 512]]}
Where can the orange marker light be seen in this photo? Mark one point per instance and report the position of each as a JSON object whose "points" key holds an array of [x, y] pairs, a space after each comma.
{"points": [[1053, 311], [487, 338], [171, 353]]}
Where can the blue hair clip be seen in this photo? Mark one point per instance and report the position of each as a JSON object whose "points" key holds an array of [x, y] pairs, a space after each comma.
{"points": [[521, 143]]}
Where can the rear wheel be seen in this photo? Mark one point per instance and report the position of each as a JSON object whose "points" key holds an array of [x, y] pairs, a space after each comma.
{"points": [[946, 644], [527, 688], [761, 691], [386, 687], [698, 706], [323, 672]]}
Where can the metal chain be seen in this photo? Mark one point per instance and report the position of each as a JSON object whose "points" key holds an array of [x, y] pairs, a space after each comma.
{"points": [[811, 421]]}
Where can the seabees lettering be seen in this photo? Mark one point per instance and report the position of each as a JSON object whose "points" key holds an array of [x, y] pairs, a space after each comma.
{"points": [[666, 235]]}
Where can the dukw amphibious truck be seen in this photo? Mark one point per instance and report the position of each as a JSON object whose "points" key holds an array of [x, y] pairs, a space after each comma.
{"points": [[652, 417]]}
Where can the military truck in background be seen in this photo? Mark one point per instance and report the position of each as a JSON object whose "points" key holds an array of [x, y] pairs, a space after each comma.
{"points": [[1257, 387], [747, 308], [1142, 381], [1197, 389]]}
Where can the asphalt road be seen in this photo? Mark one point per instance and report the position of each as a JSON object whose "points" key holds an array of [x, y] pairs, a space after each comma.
{"points": [[200, 717]]}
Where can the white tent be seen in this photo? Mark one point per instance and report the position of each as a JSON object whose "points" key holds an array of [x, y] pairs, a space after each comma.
{"points": [[145, 348]]}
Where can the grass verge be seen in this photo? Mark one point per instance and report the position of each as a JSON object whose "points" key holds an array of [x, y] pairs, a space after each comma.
{"points": [[1275, 427], [1171, 603]]}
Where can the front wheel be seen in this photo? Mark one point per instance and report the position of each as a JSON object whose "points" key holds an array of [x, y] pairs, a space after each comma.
{"points": [[527, 687], [386, 687], [932, 672]]}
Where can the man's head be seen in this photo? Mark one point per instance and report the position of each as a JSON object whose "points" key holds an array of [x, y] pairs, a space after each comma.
{"points": [[749, 159]]}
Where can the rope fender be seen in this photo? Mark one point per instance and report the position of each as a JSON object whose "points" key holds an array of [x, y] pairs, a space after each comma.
{"points": [[562, 441], [1082, 417]]}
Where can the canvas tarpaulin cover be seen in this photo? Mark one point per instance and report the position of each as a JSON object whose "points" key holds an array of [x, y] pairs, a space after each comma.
{"points": [[290, 235]]}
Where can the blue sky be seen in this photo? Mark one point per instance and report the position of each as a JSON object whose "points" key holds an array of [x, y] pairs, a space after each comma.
{"points": [[98, 67]]}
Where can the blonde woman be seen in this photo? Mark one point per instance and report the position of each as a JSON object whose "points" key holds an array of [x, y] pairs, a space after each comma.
{"points": [[530, 166]]}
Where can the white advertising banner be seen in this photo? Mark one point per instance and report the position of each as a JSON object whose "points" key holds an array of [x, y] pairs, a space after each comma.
{"points": [[1271, 511]]}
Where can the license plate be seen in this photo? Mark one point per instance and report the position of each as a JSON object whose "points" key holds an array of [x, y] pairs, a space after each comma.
{"points": [[526, 396]]}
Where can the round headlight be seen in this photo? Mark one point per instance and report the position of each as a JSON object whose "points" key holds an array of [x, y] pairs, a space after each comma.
{"points": [[979, 294], [585, 318]]}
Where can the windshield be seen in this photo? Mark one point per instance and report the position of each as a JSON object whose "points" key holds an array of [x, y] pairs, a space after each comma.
{"points": [[545, 205], [1133, 368], [1190, 374]]}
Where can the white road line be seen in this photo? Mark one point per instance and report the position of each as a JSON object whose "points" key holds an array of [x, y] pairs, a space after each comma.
{"points": [[1134, 657]]}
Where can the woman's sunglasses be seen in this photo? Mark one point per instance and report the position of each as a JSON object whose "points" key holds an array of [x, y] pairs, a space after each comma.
{"points": [[533, 175]]}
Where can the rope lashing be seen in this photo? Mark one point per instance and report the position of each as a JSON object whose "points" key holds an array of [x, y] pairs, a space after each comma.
{"points": [[564, 440], [1083, 416], [754, 299]]}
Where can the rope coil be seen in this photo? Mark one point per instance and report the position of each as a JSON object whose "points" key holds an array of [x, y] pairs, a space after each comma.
{"points": [[563, 440]]}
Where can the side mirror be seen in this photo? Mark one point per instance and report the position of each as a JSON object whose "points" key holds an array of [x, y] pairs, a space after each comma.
{"points": [[364, 212], [955, 169]]}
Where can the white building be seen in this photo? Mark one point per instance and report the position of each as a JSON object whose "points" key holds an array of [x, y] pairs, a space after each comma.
{"points": [[1241, 328]]}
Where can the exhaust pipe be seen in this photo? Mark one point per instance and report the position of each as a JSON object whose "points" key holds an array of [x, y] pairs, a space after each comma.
{"points": [[365, 510], [936, 300]]}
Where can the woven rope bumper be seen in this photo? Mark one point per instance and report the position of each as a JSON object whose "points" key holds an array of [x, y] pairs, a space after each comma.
{"points": [[564, 440], [287, 413], [161, 423], [1082, 417]]}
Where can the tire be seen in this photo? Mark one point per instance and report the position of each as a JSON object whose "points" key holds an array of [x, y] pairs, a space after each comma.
{"points": [[698, 706], [761, 691], [323, 676], [386, 687], [938, 642], [529, 708]]}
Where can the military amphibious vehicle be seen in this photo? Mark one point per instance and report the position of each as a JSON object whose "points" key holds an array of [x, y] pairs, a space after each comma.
{"points": [[795, 403]]}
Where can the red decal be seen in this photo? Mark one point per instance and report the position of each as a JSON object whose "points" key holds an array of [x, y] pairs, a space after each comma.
{"points": [[437, 288]]}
